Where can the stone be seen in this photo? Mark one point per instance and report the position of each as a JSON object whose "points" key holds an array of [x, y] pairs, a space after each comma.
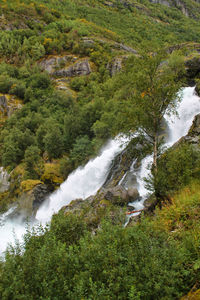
{"points": [[117, 195], [4, 180], [78, 69], [115, 65], [133, 194], [4, 104], [51, 63], [40, 193], [87, 41]]}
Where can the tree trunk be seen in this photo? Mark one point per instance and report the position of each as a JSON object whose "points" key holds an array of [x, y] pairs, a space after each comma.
{"points": [[155, 153]]}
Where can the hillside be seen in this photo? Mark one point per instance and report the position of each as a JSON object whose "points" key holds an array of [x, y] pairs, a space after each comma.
{"points": [[74, 74]]}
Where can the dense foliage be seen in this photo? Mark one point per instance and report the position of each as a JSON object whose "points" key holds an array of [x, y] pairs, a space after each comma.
{"points": [[69, 262], [54, 130]]}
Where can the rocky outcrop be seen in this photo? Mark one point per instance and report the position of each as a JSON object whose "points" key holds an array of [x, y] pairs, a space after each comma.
{"points": [[29, 201], [4, 104], [40, 193], [51, 63], [9, 104], [177, 3], [193, 136], [119, 195], [65, 66], [116, 64], [78, 69], [4, 180], [120, 171], [125, 48]]}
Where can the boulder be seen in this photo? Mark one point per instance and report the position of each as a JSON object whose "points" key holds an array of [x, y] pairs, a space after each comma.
{"points": [[133, 194], [40, 193], [120, 196], [30, 200]]}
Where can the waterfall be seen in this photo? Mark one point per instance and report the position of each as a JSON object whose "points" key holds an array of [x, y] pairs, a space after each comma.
{"points": [[178, 126], [85, 181], [82, 183]]}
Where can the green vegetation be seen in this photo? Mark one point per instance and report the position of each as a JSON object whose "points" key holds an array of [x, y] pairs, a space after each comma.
{"points": [[154, 259], [57, 115]]}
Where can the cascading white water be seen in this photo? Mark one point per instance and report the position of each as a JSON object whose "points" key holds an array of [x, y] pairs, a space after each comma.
{"points": [[178, 126], [87, 180], [83, 182]]}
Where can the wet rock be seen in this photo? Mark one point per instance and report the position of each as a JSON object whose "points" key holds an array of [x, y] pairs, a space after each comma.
{"points": [[120, 167], [40, 193], [28, 202], [117, 196], [197, 89], [133, 194]]}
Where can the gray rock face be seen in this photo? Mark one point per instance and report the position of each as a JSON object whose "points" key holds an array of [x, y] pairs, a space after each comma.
{"points": [[40, 193], [115, 65], [176, 3], [125, 48], [4, 104], [29, 202], [7, 107], [78, 69], [56, 66], [120, 196], [4, 180]]}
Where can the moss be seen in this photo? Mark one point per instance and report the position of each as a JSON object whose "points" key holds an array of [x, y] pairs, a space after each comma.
{"points": [[192, 295], [105, 203], [28, 185], [52, 173]]}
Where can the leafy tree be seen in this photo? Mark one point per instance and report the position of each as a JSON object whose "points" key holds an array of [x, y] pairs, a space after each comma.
{"points": [[33, 162], [154, 89], [53, 142], [81, 150]]}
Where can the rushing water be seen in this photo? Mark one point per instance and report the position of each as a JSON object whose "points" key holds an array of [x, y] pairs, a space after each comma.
{"points": [[87, 180], [83, 182], [178, 126]]}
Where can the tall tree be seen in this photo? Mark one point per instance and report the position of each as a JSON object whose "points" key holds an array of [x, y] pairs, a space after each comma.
{"points": [[151, 91]]}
